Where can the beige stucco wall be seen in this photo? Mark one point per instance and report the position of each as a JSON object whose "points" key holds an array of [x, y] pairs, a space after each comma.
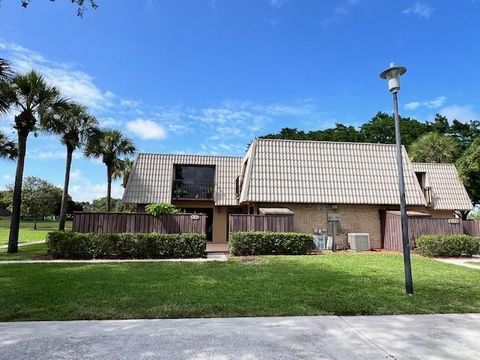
{"points": [[354, 218]]}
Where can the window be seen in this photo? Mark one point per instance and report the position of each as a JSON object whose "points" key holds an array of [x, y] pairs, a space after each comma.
{"points": [[193, 182]]}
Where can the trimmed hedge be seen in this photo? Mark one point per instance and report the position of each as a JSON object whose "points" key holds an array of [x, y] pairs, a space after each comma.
{"points": [[270, 243], [447, 245], [70, 245]]}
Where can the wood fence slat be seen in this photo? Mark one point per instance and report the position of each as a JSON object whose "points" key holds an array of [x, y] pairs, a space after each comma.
{"points": [[136, 222], [251, 222]]}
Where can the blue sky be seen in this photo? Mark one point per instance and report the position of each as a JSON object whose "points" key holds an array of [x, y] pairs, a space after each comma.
{"points": [[206, 76]]}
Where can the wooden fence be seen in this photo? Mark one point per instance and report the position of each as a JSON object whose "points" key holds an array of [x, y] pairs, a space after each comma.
{"points": [[418, 226], [471, 227], [275, 223], [89, 222]]}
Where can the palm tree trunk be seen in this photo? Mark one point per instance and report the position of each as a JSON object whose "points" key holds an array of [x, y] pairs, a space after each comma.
{"points": [[17, 195], [63, 208], [109, 187]]}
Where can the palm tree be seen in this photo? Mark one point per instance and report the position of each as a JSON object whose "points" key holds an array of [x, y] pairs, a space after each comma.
{"points": [[123, 170], [31, 97], [109, 145], [74, 125], [5, 75], [434, 148], [8, 148]]}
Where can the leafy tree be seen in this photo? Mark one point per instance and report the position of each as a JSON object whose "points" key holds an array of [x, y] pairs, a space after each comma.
{"points": [[434, 148], [339, 133], [99, 205], [287, 134], [109, 145], [74, 125], [39, 198], [5, 75], [8, 148], [81, 5], [465, 132], [161, 209], [469, 168], [381, 129], [30, 97], [123, 170], [440, 124]]}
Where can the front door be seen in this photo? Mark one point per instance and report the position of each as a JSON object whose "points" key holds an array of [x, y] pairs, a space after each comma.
{"points": [[209, 222]]}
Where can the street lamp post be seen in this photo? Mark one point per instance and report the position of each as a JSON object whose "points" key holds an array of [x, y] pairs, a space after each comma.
{"points": [[392, 75]]}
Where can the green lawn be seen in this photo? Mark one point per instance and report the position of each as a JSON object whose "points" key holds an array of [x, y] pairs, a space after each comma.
{"points": [[265, 286], [27, 233], [27, 252]]}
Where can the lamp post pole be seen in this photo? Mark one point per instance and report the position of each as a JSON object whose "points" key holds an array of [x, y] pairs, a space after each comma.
{"points": [[393, 76]]}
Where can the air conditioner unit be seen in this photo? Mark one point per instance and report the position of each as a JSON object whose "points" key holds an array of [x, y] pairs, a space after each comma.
{"points": [[319, 242], [359, 241]]}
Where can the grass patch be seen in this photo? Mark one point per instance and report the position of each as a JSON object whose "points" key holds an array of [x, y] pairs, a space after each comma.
{"points": [[27, 233], [346, 284], [27, 252], [476, 263]]}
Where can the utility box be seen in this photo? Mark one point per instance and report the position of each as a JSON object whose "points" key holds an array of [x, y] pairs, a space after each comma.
{"points": [[359, 241]]}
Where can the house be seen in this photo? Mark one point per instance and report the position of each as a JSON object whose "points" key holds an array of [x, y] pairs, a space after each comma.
{"points": [[310, 178]]}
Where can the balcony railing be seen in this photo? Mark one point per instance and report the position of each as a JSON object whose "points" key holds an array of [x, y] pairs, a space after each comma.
{"points": [[193, 189]]}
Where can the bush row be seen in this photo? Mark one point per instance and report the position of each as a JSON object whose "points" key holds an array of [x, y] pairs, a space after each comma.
{"points": [[270, 243], [70, 245], [447, 245]]}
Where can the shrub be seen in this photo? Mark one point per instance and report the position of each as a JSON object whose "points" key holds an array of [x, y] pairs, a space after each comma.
{"points": [[270, 243], [447, 245], [70, 245], [161, 209]]}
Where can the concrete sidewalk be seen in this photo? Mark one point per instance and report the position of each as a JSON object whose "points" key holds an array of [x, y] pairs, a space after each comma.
{"points": [[323, 337]]}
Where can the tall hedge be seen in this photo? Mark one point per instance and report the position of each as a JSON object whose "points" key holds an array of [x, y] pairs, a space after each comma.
{"points": [[270, 243], [447, 245], [70, 245]]}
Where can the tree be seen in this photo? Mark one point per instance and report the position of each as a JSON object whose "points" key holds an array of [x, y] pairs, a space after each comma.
{"points": [[81, 5], [381, 129], [8, 148], [30, 97], [98, 205], [74, 125], [123, 170], [434, 148], [440, 124], [469, 169], [109, 145], [5, 75], [339, 133], [39, 198]]}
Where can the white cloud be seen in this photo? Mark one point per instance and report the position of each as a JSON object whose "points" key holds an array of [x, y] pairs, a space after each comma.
{"points": [[462, 113], [109, 121], [73, 83], [412, 105], [341, 10], [278, 3], [146, 129], [431, 104], [422, 10], [87, 191]]}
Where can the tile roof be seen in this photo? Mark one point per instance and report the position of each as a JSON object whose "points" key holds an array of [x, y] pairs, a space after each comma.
{"points": [[448, 191], [152, 176], [292, 171]]}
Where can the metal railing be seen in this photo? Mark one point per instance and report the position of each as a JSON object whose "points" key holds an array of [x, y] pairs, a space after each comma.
{"points": [[192, 189]]}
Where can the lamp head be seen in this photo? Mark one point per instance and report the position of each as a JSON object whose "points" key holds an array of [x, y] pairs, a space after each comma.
{"points": [[392, 75]]}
